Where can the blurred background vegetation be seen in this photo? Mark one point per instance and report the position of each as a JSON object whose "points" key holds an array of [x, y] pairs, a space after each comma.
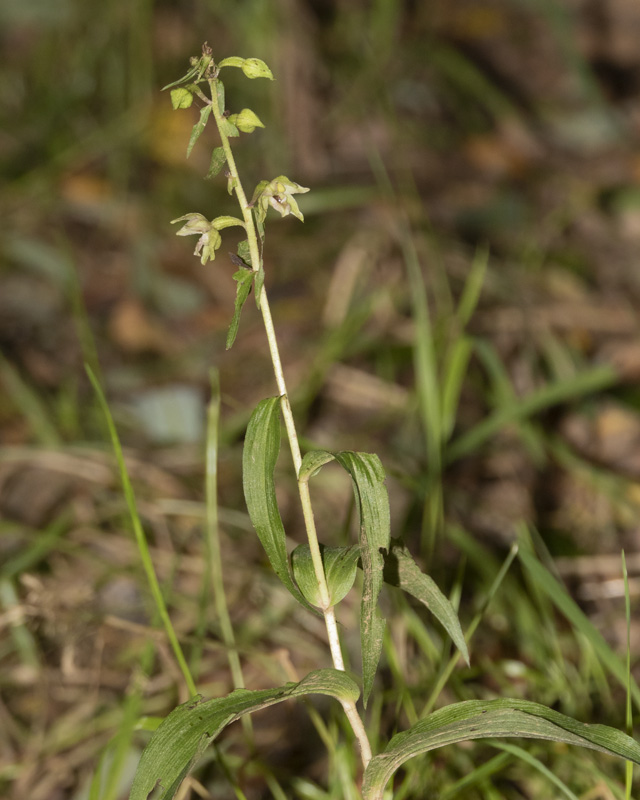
{"points": [[462, 299]]}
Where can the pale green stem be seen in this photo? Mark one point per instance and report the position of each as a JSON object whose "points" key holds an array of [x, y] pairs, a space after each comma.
{"points": [[303, 486]]}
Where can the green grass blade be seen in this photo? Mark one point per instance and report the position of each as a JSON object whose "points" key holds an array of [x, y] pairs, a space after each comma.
{"points": [[628, 708], [141, 541], [588, 382], [184, 735], [563, 602], [213, 552], [534, 762], [31, 406]]}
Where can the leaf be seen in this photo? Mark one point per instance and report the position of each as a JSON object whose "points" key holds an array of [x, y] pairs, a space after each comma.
{"points": [[261, 447], [259, 284], [244, 278], [188, 730], [367, 474], [181, 98], [228, 128], [312, 462], [256, 68], [198, 128], [245, 252], [218, 159], [247, 121], [480, 719], [401, 570], [193, 72], [220, 96], [372, 500], [340, 567]]}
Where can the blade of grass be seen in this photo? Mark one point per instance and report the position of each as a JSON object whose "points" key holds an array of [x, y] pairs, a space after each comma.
{"points": [[445, 674], [589, 382], [141, 540], [23, 639], [213, 552], [534, 762], [476, 776], [31, 406], [569, 609], [628, 709]]}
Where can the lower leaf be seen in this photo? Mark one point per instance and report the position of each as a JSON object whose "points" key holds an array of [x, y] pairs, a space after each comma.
{"points": [[480, 719], [183, 736]]}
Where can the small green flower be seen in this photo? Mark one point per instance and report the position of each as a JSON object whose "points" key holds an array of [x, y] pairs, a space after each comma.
{"points": [[278, 194], [209, 241]]}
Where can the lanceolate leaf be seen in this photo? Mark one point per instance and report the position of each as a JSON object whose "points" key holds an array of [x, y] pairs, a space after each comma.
{"points": [[244, 277], [367, 474], [479, 719], [372, 500], [184, 735], [218, 159], [198, 128], [261, 447], [401, 570]]}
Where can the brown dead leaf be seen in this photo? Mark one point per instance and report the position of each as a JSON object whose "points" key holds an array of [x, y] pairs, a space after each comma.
{"points": [[132, 329]]}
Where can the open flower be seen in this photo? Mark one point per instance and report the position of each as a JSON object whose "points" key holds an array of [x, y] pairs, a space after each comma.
{"points": [[278, 194], [209, 241]]}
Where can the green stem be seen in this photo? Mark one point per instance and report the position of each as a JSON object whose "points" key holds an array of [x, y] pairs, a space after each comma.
{"points": [[292, 435]]}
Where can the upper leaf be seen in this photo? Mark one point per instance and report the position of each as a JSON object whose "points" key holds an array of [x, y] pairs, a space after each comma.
{"points": [[480, 719], [401, 570], [198, 128], [184, 735], [372, 500], [181, 98], [261, 447], [244, 278]]}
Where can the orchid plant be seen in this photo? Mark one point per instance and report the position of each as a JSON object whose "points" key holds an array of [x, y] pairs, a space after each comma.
{"points": [[319, 576]]}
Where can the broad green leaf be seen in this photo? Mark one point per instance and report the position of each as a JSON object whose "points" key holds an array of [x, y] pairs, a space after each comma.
{"points": [[480, 719], [181, 98], [183, 736], [340, 567], [256, 68], [218, 159], [228, 128], [198, 128], [367, 474], [401, 570], [244, 279], [261, 447], [246, 121]]}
